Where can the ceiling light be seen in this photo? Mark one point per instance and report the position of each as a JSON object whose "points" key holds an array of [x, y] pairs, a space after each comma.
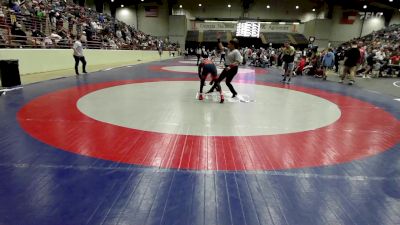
{"points": [[313, 10], [282, 23], [365, 6], [200, 5], [268, 7], [296, 23], [122, 6], [297, 7], [142, 0], [390, 0], [180, 6], [229, 5]]}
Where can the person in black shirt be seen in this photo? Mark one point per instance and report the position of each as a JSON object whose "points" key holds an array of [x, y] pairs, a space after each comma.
{"points": [[352, 57], [338, 57], [370, 63], [19, 33]]}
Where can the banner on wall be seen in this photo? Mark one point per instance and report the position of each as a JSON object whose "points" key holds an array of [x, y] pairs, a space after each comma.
{"points": [[349, 17], [369, 15], [289, 28], [202, 26], [221, 26], [151, 11]]}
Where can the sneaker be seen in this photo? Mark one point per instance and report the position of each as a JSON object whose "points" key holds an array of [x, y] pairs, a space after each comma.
{"points": [[84, 72], [324, 78], [288, 82], [222, 100], [234, 95], [201, 97], [341, 81], [283, 81], [351, 82]]}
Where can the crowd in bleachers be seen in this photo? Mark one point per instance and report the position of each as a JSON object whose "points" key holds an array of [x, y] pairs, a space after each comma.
{"points": [[380, 52], [379, 56], [55, 23]]}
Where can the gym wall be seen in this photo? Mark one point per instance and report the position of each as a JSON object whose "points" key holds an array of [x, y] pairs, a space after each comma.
{"points": [[127, 15], [46, 60], [396, 18], [315, 24]]}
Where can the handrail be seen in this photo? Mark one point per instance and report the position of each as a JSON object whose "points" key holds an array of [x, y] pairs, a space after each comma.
{"points": [[15, 41], [30, 23]]}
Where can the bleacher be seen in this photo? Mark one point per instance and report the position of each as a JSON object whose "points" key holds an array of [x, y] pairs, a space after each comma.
{"points": [[26, 28]]}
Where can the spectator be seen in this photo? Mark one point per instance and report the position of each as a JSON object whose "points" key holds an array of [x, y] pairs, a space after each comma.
{"points": [[19, 33], [328, 61], [54, 36], [78, 56], [395, 59], [352, 57]]}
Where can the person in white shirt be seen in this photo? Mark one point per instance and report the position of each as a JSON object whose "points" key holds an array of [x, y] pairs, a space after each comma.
{"points": [[233, 60], [222, 56], [54, 36], [83, 38], [78, 56]]}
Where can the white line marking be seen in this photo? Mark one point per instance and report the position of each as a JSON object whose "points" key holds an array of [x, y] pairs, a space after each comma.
{"points": [[108, 69], [10, 89], [374, 91], [396, 83], [397, 99], [5, 90]]}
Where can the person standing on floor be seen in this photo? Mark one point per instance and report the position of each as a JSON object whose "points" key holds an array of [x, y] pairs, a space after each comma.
{"points": [[338, 57], [160, 48], [78, 56], [198, 54], [233, 60], [288, 53], [328, 61], [351, 59], [222, 56]]}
